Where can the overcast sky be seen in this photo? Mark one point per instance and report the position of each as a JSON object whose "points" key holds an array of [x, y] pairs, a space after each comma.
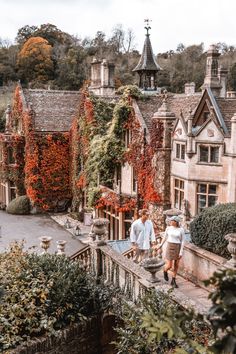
{"points": [[173, 21]]}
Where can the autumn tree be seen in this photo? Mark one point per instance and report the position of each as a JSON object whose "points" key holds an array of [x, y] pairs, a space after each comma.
{"points": [[35, 62]]}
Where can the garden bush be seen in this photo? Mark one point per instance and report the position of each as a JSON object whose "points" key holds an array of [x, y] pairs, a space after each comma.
{"points": [[43, 293], [222, 314], [158, 325], [209, 228], [19, 206]]}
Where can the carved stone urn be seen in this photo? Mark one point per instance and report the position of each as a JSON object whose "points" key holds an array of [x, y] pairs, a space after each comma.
{"points": [[61, 247], [45, 243], [232, 249], [99, 229], [152, 265]]}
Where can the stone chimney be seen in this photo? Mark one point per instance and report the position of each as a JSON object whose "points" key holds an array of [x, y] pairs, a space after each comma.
{"points": [[222, 75], [211, 78], [102, 78], [189, 88]]}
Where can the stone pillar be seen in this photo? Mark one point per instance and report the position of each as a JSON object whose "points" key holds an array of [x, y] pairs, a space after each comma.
{"points": [[165, 118], [232, 250]]}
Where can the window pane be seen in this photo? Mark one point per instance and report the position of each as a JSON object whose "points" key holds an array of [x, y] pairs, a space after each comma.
{"points": [[176, 182], [182, 152], [203, 153], [214, 154], [212, 200], [212, 189], [181, 197], [181, 185], [178, 151], [201, 202], [202, 188], [176, 198]]}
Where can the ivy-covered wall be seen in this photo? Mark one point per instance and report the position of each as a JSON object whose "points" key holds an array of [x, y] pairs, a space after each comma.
{"points": [[97, 147], [44, 158]]}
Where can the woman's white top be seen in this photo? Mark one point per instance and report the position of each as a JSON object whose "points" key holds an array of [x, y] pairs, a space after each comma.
{"points": [[175, 235], [142, 233]]}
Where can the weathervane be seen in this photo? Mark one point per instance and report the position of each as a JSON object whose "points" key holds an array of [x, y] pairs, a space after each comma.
{"points": [[147, 27]]}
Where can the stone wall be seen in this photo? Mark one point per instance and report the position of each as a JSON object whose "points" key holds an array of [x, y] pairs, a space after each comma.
{"points": [[198, 264], [77, 339]]}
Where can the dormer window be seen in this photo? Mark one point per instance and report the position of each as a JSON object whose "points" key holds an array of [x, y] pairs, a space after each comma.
{"points": [[180, 151], [209, 154]]}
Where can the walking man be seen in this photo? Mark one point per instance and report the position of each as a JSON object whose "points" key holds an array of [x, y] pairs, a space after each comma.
{"points": [[141, 235]]}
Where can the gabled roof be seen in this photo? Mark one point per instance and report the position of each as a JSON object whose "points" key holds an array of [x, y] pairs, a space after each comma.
{"points": [[179, 104], [147, 61], [54, 110], [224, 109], [227, 108]]}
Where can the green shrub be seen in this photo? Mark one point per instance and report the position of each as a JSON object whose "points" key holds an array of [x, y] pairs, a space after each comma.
{"points": [[43, 293], [209, 228], [19, 206], [222, 314], [158, 325]]}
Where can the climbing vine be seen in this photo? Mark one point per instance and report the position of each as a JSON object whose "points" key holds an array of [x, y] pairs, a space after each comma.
{"points": [[45, 161], [101, 125]]}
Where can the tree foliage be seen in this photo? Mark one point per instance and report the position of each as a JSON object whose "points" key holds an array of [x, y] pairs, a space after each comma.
{"points": [[72, 57], [35, 60]]}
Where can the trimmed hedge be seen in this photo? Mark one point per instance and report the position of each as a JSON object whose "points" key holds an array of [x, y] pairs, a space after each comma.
{"points": [[209, 228]]}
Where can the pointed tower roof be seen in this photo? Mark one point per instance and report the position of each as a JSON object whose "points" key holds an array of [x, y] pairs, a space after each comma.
{"points": [[147, 61]]}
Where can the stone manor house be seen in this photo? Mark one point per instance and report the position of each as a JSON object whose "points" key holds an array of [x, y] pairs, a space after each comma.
{"points": [[189, 138]]}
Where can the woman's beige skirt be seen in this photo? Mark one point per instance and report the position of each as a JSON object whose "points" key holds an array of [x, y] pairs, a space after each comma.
{"points": [[172, 251]]}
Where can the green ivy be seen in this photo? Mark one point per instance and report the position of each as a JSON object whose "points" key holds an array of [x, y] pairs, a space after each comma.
{"points": [[106, 147]]}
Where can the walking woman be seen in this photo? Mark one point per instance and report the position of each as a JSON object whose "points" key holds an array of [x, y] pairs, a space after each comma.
{"points": [[174, 235]]}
